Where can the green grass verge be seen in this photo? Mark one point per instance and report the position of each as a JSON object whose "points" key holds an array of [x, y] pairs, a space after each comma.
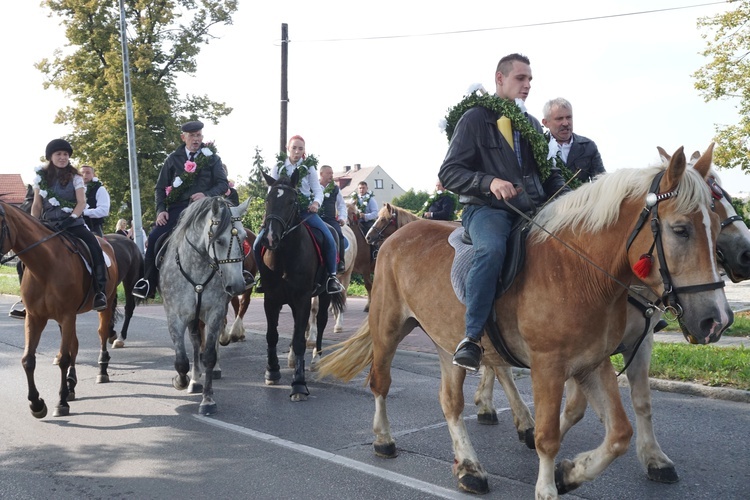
{"points": [[707, 365]]}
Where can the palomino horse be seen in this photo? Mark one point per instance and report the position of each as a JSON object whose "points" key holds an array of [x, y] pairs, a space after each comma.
{"points": [[56, 285], [364, 264], [596, 222], [390, 218], [320, 316], [733, 252], [200, 272], [130, 269], [292, 272]]}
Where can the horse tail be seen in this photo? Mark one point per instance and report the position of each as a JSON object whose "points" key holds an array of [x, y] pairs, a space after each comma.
{"points": [[338, 302], [347, 359]]}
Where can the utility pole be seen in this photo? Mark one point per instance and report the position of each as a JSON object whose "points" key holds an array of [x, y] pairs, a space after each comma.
{"points": [[135, 191], [284, 92]]}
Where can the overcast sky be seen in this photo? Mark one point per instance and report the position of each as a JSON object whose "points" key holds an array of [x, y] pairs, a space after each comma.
{"points": [[369, 82]]}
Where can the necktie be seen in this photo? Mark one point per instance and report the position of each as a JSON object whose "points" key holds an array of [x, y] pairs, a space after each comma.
{"points": [[192, 156]]}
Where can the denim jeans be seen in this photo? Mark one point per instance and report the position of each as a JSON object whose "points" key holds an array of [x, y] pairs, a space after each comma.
{"points": [[329, 244], [489, 229]]}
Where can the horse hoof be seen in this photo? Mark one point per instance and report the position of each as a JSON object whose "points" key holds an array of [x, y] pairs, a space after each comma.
{"points": [[222, 342], [296, 398], [117, 344], [112, 339], [272, 377], [195, 388], [216, 374], [387, 450], [310, 344], [487, 418], [102, 379], [666, 475], [560, 470], [61, 411], [473, 484], [179, 382], [56, 361], [366, 309], [527, 437], [208, 409], [41, 412]]}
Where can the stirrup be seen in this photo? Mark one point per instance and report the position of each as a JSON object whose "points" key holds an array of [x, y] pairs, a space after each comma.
{"points": [[141, 289], [249, 280], [100, 301], [333, 285]]}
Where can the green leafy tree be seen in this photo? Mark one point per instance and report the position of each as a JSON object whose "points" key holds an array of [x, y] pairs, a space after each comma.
{"points": [[727, 76], [411, 200], [164, 38], [740, 207], [256, 190]]}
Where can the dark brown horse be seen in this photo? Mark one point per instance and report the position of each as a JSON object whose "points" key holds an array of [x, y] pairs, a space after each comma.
{"points": [[587, 250], [56, 285], [130, 269], [364, 264], [236, 331]]}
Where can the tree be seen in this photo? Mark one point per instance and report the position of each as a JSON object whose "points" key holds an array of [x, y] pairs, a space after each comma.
{"points": [[411, 200], [727, 75], [256, 190], [164, 38]]}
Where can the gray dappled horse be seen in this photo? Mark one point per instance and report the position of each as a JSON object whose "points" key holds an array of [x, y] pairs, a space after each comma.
{"points": [[201, 271]]}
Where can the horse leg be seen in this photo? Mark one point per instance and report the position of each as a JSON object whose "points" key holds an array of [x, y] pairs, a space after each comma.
{"points": [[339, 326], [314, 308], [522, 418], [660, 468], [273, 370], [600, 388], [367, 277], [129, 309], [198, 339], [34, 327], [321, 322], [486, 413], [176, 325], [547, 386], [575, 406], [466, 467], [105, 318], [67, 346], [210, 359], [301, 313], [111, 327]]}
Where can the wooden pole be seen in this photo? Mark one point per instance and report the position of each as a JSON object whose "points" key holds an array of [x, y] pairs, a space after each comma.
{"points": [[284, 90]]}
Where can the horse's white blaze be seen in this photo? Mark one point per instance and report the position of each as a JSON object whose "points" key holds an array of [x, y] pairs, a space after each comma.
{"points": [[711, 243], [279, 193]]}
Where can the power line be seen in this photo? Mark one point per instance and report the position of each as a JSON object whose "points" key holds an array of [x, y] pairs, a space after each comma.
{"points": [[517, 26]]}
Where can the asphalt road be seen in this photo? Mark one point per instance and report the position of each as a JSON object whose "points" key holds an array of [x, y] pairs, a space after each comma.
{"points": [[137, 437]]}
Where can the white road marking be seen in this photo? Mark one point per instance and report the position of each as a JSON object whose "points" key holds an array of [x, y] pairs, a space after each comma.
{"points": [[393, 477]]}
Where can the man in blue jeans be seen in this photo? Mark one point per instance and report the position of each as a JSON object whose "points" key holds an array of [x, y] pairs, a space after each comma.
{"points": [[489, 170]]}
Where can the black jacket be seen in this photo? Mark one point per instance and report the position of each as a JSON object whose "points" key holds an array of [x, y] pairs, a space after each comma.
{"points": [[478, 153], [210, 180], [584, 155]]}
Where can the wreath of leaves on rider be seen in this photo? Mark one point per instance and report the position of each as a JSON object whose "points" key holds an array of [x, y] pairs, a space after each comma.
{"points": [[508, 108], [180, 184], [361, 205], [310, 161]]}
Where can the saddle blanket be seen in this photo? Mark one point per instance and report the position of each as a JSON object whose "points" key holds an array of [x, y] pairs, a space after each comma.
{"points": [[461, 263]]}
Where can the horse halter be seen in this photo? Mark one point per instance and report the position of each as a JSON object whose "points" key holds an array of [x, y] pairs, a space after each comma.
{"points": [[391, 222], [669, 297], [288, 223], [718, 193]]}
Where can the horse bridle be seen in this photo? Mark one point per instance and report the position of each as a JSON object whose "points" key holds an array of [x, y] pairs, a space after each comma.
{"points": [[5, 232], [669, 297], [287, 224], [379, 234]]}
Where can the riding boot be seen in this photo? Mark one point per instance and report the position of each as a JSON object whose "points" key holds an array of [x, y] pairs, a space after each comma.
{"points": [[341, 265], [100, 287]]}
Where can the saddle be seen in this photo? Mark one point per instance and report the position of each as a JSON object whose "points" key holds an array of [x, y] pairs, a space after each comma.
{"points": [[515, 257], [79, 247]]}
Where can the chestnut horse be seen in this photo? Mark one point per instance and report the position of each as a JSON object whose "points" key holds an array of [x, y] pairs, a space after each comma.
{"points": [[390, 218], [56, 285], [364, 264], [582, 245]]}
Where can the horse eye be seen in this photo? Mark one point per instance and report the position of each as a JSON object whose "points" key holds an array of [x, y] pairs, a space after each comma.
{"points": [[680, 231]]}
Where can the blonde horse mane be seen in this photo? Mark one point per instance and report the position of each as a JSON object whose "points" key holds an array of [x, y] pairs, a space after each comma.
{"points": [[403, 216], [596, 205]]}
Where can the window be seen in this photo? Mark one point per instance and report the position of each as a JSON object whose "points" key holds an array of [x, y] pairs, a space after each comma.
{"points": [[378, 183]]}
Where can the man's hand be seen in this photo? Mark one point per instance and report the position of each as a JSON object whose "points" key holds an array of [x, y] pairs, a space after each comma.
{"points": [[162, 218], [313, 208], [197, 196], [503, 190], [342, 222]]}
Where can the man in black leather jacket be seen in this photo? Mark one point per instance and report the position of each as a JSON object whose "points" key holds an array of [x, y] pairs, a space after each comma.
{"points": [[489, 173], [579, 153]]}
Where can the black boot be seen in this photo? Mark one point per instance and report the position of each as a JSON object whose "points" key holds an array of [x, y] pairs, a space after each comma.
{"points": [[100, 287]]}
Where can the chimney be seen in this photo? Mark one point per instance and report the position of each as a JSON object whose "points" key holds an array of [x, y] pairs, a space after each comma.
{"points": [[357, 166], [347, 168]]}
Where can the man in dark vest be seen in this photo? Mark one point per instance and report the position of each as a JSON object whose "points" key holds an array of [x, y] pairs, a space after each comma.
{"points": [[333, 210], [97, 201]]}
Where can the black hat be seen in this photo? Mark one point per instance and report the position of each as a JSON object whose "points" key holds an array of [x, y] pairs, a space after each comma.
{"points": [[57, 145], [192, 126]]}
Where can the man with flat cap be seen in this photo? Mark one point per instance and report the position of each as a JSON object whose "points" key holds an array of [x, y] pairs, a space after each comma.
{"points": [[193, 171]]}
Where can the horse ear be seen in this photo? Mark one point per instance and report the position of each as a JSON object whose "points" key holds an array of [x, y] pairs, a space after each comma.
{"points": [[270, 180], [703, 164], [675, 170], [663, 154], [240, 211]]}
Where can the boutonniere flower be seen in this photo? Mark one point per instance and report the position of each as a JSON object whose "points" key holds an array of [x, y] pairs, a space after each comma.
{"points": [[168, 190], [180, 184], [207, 152], [177, 182], [190, 166], [54, 202]]}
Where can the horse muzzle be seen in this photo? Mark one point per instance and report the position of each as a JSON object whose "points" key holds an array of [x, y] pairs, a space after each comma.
{"points": [[710, 329]]}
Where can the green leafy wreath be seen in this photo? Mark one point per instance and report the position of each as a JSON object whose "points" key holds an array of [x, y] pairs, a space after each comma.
{"points": [[45, 191], [310, 161], [436, 196], [508, 108]]}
